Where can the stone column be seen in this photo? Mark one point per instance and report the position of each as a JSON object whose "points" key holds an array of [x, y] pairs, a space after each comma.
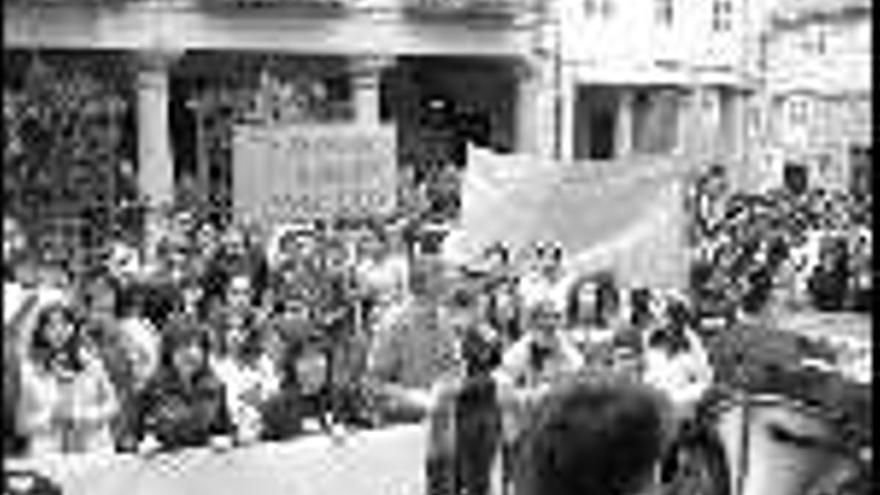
{"points": [[567, 114], [367, 85], [623, 134], [534, 109], [155, 159]]}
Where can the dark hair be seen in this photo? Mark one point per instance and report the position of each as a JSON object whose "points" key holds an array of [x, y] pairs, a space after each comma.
{"points": [[607, 298], [178, 333], [640, 304], [592, 437], [510, 328], [499, 248], [671, 336], [71, 352], [253, 345], [759, 284]]}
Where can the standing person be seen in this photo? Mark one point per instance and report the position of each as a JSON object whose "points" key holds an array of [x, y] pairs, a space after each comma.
{"points": [[236, 256], [348, 344], [546, 280], [382, 277], [248, 373], [184, 403], [67, 399], [19, 303], [543, 355], [541, 358], [416, 351], [592, 314], [237, 307], [676, 361], [465, 427], [207, 244], [503, 311]]}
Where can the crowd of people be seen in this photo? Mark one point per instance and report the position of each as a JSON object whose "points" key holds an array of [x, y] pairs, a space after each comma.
{"points": [[229, 338]]}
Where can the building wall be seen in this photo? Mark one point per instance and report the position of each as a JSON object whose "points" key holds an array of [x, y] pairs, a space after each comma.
{"points": [[369, 26], [818, 86], [643, 47]]}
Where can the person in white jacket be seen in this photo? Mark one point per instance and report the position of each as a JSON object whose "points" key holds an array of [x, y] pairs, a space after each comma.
{"points": [[675, 360]]}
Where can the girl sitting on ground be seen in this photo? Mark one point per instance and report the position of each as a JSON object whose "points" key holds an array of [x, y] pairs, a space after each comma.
{"points": [[67, 400]]}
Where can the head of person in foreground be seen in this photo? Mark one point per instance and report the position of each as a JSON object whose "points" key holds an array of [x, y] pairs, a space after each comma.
{"points": [[592, 437]]}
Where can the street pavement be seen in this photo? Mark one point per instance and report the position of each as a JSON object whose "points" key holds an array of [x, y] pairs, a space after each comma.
{"points": [[381, 462]]}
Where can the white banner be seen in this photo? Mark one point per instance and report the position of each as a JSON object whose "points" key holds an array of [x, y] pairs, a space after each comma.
{"points": [[296, 172], [624, 214]]}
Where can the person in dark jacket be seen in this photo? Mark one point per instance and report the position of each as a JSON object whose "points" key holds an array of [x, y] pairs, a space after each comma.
{"points": [[184, 404], [236, 256]]}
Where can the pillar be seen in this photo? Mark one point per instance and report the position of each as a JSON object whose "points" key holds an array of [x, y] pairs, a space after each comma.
{"points": [[567, 113], [155, 159], [534, 109], [367, 86], [623, 134]]}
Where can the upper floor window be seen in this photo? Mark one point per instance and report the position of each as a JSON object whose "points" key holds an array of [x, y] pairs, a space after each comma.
{"points": [[798, 111], [598, 7], [665, 11], [821, 41], [722, 15]]}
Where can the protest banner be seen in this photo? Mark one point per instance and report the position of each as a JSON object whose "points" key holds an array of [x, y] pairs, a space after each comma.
{"points": [[625, 215], [289, 173]]}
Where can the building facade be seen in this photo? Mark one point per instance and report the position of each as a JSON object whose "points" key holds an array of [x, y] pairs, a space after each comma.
{"points": [[818, 91], [668, 77], [188, 71]]}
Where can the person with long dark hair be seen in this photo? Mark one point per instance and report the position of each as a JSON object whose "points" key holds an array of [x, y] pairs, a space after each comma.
{"points": [[248, 373], [592, 309], [67, 400], [184, 403], [675, 360]]}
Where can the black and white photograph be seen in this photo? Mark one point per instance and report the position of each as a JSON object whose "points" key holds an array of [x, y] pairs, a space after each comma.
{"points": [[437, 247]]}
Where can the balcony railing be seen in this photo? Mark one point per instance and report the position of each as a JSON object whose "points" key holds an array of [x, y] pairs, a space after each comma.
{"points": [[466, 8]]}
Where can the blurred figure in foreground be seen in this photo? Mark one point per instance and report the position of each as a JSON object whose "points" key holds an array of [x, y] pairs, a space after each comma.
{"points": [[593, 438]]}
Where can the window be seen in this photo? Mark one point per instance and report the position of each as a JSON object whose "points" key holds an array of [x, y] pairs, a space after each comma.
{"points": [[820, 41], [665, 11], [722, 15], [598, 7], [798, 112]]}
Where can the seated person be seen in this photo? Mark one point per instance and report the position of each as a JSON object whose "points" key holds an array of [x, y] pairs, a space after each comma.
{"points": [[67, 402], [593, 438], [248, 373], [184, 403]]}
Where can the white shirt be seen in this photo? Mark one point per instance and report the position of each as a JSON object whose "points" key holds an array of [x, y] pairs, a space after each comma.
{"points": [[684, 377], [247, 387], [142, 341], [516, 364], [535, 287]]}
